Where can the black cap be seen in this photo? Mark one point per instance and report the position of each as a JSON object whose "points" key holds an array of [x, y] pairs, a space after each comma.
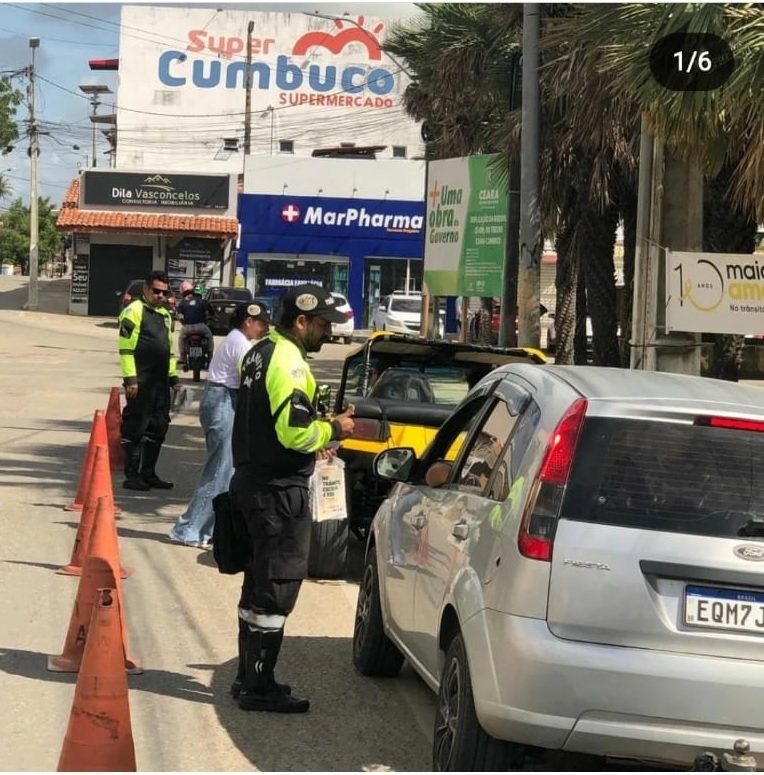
{"points": [[249, 310], [312, 300], [258, 311]]}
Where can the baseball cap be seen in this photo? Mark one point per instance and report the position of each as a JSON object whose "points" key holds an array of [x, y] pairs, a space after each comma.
{"points": [[251, 310], [312, 300]]}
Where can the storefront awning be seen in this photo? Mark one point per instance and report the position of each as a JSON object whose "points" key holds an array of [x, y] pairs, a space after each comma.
{"points": [[71, 218]]}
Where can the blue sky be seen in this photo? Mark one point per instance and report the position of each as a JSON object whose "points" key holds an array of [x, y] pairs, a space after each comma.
{"points": [[70, 35]]}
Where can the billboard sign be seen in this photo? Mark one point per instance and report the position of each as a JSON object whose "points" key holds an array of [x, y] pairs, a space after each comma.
{"points": [[465, 228], [150, 190], [315, 216], [714, 293]]}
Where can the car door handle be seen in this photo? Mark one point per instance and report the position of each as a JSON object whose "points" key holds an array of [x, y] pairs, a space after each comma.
{"points": [[419, 522], [460, 531]]}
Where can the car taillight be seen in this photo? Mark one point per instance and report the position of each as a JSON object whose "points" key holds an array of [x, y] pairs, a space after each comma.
{"points": [[731, 423], [349, 315], [540, 518]]}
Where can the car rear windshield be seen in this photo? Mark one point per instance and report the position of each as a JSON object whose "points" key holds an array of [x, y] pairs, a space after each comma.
{"points": [[405, 305], [668, 476]]}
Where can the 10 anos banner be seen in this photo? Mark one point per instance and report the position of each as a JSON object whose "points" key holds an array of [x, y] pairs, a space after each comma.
{"points": [[715, 293]]}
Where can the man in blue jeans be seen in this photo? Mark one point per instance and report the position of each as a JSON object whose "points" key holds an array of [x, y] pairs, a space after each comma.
{"points": [[249, 322]]}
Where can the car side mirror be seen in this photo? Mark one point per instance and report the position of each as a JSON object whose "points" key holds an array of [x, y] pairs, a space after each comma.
{"points": [[438, 473], [395, 464], [323, 399]]}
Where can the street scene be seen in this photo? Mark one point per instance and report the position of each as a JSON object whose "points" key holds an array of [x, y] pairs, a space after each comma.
{"points": [[381, 387], [181, 613]]}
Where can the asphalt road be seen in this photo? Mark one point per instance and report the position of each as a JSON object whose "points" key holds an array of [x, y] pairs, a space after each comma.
{"points": [[181, 613]]}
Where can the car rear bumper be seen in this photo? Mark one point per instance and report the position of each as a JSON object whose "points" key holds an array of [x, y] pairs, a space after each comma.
{"points": [[343, 329], [603, 700]]}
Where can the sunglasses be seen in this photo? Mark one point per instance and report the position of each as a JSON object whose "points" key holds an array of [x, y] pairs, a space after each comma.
{"points": [[160, 291]]}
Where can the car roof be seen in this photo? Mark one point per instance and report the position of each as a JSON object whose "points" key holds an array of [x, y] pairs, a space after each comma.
{"points": [[630, 386], [415, 347]]}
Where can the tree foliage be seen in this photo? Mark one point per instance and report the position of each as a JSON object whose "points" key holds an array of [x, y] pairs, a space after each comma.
{"points": [[14, 233]]}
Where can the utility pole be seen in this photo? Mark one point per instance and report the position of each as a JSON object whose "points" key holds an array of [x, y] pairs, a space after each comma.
{"points": [[508, 331], [34, 216], [529, 275], [248, 97]]}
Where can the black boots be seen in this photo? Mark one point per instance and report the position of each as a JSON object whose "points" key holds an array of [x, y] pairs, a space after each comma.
{"points": [[133, 478], [238, 682], [260, 692], [151, 451]]}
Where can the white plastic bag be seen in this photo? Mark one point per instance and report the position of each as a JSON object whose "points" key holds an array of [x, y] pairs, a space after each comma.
{"points": [[327, 490]]}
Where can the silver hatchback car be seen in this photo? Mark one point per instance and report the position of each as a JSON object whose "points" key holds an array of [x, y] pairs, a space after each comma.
{"points": [[576, 564]]}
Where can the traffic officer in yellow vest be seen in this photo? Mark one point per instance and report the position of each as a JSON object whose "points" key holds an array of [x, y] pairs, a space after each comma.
{"points": [[148, 372], [276, 436]]}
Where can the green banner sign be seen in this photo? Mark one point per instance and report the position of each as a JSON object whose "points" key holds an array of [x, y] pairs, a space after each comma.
{"points": [[466, 216]]}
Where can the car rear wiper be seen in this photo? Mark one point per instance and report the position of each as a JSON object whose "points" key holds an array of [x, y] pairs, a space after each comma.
{"points": [[754, 528]]}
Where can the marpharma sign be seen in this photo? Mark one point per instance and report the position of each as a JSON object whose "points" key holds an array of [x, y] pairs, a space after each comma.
{"points": [[714, 293], [465, 228]]}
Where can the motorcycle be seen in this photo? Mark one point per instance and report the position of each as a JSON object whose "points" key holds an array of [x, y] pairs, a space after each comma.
{"points": [[198, 357]]}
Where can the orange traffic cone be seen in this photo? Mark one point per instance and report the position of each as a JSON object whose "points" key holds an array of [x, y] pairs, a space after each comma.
{"points": [[99, 737], [100, 487], [114, 430], [104, 541], [97, 436], [97, 574]]}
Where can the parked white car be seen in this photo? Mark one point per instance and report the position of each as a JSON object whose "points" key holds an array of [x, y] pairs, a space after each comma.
{"points": [[399, 313], [344, 330], [574, 564]]}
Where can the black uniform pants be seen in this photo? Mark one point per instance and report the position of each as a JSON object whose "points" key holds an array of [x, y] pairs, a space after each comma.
{"points": [[148, 414], [278, 523]]}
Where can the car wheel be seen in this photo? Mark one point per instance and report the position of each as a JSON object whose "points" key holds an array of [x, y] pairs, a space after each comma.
{"points": [[459, 743], [348, 340], [373, 652], [328, 548]]}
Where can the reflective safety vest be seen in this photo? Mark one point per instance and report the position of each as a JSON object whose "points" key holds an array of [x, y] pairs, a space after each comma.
{"points": [[145, 342], [276, 427]]}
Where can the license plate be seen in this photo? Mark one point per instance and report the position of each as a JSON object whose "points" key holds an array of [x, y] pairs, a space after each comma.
{"points": [[195, 352], [724, 609]]}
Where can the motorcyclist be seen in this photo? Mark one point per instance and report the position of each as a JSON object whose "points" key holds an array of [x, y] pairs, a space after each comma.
{"points": [[194, 312]]}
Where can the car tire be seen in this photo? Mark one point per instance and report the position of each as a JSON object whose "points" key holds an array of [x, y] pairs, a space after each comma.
{"points": [[373, 652], [459, 743], [348, 340], [328, 549]]}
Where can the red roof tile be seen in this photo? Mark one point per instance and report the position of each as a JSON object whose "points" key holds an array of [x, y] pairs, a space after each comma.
{"points": [[72, 218]]}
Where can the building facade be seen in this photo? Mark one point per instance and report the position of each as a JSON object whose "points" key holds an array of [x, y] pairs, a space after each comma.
{"points": [[315, 83], [126, 224], [355, 226]]}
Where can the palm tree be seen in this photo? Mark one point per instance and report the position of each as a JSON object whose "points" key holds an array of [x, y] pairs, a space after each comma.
{"points": [[5, 188], [462, 57], [604, 47]]}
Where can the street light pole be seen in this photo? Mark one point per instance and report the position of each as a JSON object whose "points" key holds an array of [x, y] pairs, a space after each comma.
{"points": [[34, 224]]}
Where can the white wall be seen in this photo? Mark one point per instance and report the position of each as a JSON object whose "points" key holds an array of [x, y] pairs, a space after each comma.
{"points": [[397, 179], [168, 120]]}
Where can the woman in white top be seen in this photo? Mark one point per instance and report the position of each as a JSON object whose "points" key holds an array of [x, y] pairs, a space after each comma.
{"points": [[249, 322]]}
